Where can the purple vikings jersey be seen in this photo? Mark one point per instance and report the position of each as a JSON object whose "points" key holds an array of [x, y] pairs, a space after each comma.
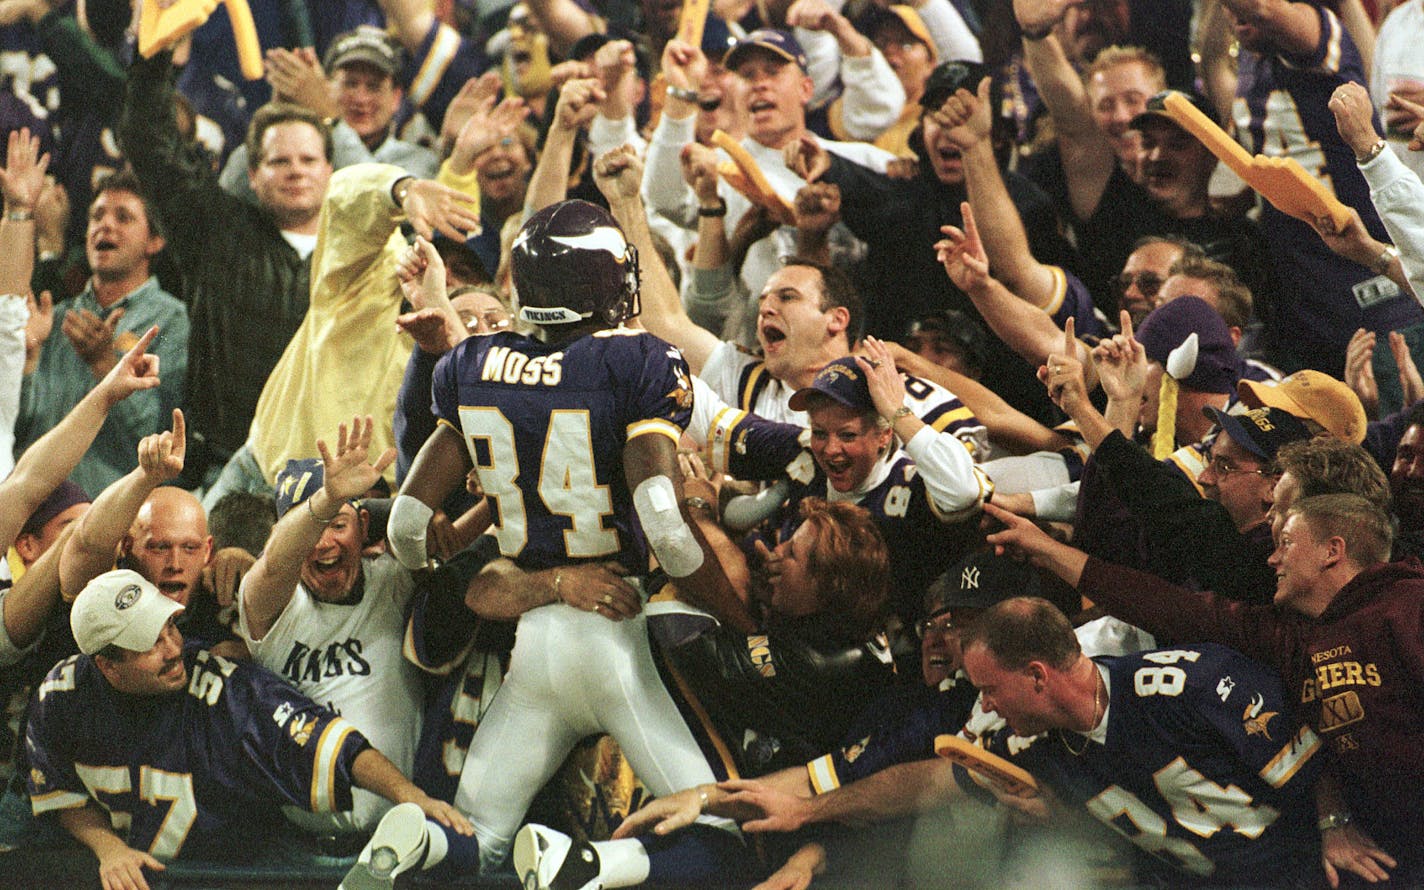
{"points": [[1203, 768], [1282, 109], [1072, 300], [899, 726], [438, 70], [546, 423], [187, 769]]}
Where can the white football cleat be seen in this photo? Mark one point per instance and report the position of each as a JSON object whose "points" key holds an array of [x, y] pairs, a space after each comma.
{"points": [[398, 845], [545, 859]]}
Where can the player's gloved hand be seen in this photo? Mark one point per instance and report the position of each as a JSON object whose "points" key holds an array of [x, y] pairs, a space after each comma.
{"points": [[663, 815], [121, 867]]}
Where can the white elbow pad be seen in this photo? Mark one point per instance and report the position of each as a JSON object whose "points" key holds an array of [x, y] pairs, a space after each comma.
{"points": [[670, 537], [405, 530], [746, 511]]}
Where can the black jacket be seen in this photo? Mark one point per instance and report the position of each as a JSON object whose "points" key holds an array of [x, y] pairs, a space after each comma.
{"points": [[245, 286]]}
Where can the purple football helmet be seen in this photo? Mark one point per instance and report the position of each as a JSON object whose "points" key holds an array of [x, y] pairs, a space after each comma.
{"points": [[571, 263]]}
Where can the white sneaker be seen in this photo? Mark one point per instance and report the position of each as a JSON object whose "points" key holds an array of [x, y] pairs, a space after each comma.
{"points": [[545, 859], [398, 845]]}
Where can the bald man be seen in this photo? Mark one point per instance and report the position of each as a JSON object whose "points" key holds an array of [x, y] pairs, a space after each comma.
{"points": [[158, 531], [168, 543]]}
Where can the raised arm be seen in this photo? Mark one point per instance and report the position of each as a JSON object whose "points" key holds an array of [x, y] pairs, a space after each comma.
{"points": [[1292, 28], [1396, 191], [91, 549], [1026, 329], [22, 179], [1063, 375], [684, 66], [953, 482], [966, 116], [619, 175], [1121, 362], [873, 96], [1006, 424], [565, 22], [347, 473], [1088, 158], [28, 605], [50, 460], [549, 184]]}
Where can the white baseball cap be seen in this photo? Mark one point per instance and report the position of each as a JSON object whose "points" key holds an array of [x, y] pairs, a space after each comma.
{"points": [[120, 608]]}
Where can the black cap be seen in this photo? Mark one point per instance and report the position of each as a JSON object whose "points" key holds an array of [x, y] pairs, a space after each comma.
{"points": [[1157, 109], [949, 77], [980, 580]]}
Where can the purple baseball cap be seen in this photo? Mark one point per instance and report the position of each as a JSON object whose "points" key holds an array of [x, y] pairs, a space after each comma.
{"points": [[842, 381], [773, 40], [1261, 431]]}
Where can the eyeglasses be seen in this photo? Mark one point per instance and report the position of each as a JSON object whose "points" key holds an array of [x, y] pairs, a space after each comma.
{"points": [[902, 46], [938, 626], [1223, 467], [1149, 283], [493, 321]]}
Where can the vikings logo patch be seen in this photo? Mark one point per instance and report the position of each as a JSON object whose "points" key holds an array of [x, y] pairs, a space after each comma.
{"points": [[1257, 721], [853, 752], [301, 730], [682, 394]]}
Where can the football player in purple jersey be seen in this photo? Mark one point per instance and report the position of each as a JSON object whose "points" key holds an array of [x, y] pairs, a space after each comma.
{"points": [[573, 430]]}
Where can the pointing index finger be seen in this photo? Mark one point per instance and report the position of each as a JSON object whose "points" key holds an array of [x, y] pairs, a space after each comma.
{"points": [[971, 228]]}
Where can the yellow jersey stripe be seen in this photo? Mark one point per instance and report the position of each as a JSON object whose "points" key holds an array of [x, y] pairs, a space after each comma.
{"points": [[655, 425], [1291, 758], [442, 52], [328, 747], [822, 772], [1060, 291], [956, 415]]}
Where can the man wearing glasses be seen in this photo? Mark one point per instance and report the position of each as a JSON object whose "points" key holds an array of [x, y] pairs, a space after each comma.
{"points": [[1212, 532]]}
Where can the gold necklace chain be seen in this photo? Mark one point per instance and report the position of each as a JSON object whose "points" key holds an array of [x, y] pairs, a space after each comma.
{"points": [[1097, 692]]}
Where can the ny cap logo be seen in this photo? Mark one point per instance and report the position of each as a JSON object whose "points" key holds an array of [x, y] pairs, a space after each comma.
{"points": [[127, 597], [969, 580]]}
